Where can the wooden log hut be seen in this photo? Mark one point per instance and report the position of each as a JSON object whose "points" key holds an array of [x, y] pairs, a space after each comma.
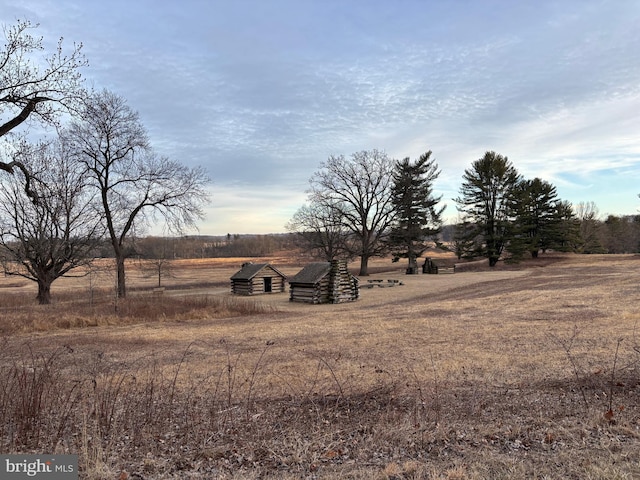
{"points": [[324, 282], [256, 279]]}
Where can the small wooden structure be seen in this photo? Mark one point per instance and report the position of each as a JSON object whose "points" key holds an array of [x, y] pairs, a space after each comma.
{"points": [[256, 279], [429, 266], [432, 268], [324, 282]]}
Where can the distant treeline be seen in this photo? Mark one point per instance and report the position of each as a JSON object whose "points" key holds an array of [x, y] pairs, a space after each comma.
{"points": [[205, 246], [615, 234]]}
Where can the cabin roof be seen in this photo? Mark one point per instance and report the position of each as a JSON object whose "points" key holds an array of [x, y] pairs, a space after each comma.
{"points": [[312, 273], [250, 270]]}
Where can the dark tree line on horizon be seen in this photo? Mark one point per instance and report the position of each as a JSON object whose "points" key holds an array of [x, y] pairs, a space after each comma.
{"points": [[615, 234]]}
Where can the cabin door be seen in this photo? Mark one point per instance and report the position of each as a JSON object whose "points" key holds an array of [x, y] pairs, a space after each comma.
{"points": [[267, 284]]}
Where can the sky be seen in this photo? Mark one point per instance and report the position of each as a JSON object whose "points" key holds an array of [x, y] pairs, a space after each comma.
{"points": [[261, 92]]}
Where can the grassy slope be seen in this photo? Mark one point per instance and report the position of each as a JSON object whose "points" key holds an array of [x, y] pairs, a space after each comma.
{"points": [[502, 374]]}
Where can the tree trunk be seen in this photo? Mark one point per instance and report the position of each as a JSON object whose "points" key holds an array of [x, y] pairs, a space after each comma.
{"points": [[493, 261], [44, 292], [412, 267], [121, 285], [364, 266]]}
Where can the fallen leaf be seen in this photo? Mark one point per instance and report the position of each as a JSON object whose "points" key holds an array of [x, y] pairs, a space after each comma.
{"points": [[331, 454]]}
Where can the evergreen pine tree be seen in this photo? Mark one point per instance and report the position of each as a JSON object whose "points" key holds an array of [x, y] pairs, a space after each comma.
{"points": [[416, 215]]}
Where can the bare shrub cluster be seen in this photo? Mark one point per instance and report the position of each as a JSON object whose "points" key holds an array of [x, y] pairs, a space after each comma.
{"points": [[221, 409]]}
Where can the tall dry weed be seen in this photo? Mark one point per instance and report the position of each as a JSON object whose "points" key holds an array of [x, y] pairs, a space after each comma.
{"points": [[19, 314]]}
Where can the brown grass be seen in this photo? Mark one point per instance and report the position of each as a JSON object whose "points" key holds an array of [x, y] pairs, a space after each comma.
{"points": [[509, 373]]}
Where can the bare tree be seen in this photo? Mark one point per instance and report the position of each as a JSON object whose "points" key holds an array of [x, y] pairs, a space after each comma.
{"points": [[158, 254], [35, 86], [46, 239], [358, 189], [322, 232], [135, 186], [588, 215]]}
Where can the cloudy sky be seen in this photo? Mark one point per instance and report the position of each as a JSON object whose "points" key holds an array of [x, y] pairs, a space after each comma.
{"points": [[261, 92]]}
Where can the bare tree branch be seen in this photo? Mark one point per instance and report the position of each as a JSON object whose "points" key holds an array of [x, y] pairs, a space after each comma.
{"points": [[35, 87], [134, 185]]}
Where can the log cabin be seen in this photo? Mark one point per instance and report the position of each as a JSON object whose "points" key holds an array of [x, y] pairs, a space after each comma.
{"points": [[257, 279], [324, 282]]}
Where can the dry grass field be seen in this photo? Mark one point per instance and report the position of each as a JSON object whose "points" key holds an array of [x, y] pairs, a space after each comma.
{"points": [[529, 371]]}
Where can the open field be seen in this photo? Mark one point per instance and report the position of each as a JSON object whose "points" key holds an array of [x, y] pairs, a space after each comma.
{"points": [[520, 372]]}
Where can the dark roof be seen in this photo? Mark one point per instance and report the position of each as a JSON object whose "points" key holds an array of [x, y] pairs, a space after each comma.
{"points": [[250, 270], [312, 273]]}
